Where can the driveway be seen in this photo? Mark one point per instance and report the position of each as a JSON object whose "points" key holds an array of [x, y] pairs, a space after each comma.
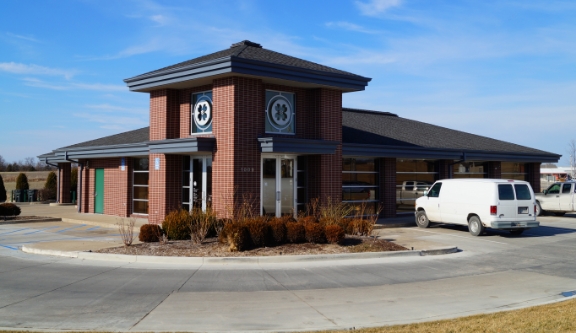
{"points": [[491, 273]]}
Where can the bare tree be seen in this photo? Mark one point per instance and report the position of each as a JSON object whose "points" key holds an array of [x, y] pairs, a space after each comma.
{"points": [[2, 163], [572, 157]]}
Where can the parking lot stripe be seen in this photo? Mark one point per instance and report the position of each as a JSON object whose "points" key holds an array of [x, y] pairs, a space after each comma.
{"points": [[94, 228], [13, 231], [33, 232], [78, 226], [9, 247]]}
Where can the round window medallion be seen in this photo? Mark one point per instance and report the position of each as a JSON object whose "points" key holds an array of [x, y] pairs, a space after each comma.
{"points": [[279, 112], [203, 113]]}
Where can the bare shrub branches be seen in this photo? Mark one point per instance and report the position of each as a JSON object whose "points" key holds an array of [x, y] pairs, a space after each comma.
{"points": [[126, 230]]}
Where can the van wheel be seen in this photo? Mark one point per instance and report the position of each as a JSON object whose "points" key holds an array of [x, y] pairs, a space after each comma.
{"points": [[422, 220], [516, 231], [559, 213], [475, 226], [539, 210]]}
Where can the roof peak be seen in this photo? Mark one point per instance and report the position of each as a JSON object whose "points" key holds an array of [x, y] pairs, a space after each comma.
{"points": [[246, 43]]}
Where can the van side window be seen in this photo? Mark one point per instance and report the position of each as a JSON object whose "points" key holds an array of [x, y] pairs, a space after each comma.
{"points": [[505, 192], [522, 192], [566, 188], [554, 189], [435, 191]]}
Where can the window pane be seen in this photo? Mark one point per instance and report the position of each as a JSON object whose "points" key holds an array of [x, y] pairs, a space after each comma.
{"points": [[140, 178], [554, 189], [141, 164], [186, 195], [359, 164], [141, 193], [359, 179], [355, 193], [435, 191], [140, 207], [566, 188], [505, 192], [522, 192]]}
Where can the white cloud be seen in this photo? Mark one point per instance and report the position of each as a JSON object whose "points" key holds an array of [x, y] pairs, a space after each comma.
{"points": [[33, 82], [350, 27], [160, 19], [114, 108], [28, 38], [17, 68], [376, 7]]}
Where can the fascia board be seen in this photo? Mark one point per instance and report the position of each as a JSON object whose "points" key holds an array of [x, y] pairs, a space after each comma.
{"points": [[181, 146], [104, 151], [297, 146]]}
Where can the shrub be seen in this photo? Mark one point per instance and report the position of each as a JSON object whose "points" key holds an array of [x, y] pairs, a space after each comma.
{"points": [[315, 233], [334, 234], [238, 236], [362, 227], [278, 230], [9, 209], [346, 225], [50, 187], [201, 223], [22, 182], [176, 225], [295, 232], [259, 231], [150, 233], [308, 219], [2, 190], [225, 225]]}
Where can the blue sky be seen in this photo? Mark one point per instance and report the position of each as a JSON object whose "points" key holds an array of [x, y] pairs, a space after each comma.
{"points": [[502, 69]]}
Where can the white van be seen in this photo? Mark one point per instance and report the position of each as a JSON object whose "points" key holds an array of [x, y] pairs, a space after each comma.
{"points": [[479, 203]]}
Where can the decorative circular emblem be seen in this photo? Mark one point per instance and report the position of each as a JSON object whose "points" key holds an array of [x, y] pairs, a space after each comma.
{"points": [[279, 112], [203, 112]]}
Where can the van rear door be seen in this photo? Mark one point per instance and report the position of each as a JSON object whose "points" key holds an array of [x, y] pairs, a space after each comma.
{"points": [[525, 202], [506, 202]]}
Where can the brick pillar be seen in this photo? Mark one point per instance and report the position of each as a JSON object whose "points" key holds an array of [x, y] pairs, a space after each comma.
{"points": [[533, 176], [164, 114], [387, 183], [87, 189], [238, 121], [326, 170], [164, 186], [444, 169], [495, 170], [64, 177]]}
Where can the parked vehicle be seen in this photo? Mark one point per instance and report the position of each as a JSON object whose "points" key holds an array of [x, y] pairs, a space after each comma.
{"points": [[558, 198], [409, 191], [479, 203]]}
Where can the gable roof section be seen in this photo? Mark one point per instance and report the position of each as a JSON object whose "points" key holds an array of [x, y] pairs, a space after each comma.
{"points": [[376, 133], [136, 136], [247, 58]]}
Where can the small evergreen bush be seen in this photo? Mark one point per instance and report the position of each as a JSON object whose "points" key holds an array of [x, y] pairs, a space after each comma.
{"points": [[278, 230], [238, 237], [334, 234], [2, 190], [295, 232], [259, 231], [22, 182], [150, 233], [315, 233], [50, 187], [176, 225]]}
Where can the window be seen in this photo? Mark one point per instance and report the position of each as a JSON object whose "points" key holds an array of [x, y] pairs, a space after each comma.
{"points": [[566, 188], [413, 177], [554, 189], [469, 170], [140, 177], [522, 192], [280, 112], [360, 184], [505, 192], [435, 190], [202, 112], [511, 170]]}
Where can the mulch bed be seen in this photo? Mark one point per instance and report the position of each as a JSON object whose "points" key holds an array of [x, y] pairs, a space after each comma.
{"points": [[212, 248]]}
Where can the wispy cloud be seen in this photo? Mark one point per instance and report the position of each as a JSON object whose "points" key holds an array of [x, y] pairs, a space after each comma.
{"points": [[350, 27], [33, 82], [27, 38], [18, 68], [114, 108], [376, 7]]}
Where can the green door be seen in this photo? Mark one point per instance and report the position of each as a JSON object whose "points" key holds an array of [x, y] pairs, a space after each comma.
{"points": [[99, 192]]}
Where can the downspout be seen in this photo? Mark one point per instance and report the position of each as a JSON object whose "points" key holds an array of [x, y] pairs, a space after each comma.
{"points": [[80, 169]]}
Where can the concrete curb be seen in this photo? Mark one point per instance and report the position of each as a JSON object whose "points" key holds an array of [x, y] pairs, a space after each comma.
{"points": [[51, 219], [236, 260]]}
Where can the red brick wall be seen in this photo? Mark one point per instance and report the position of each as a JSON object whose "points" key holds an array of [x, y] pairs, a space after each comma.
{"points": [[164, 186], [494, 170], [164, 114], [387, 182], [238, 120], [533, 176], [64, 178], [117, 187]]}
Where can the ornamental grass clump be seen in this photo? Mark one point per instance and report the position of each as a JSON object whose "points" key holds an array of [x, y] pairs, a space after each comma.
{"points": [[295, 232], [176, 225], [150, 233]]}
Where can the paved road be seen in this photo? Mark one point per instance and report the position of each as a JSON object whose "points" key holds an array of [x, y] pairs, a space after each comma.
{"points": [[491, 273]]}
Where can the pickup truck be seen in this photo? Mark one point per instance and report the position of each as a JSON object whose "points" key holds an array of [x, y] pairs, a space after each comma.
{"points": [[559, 198], [409, 191]]}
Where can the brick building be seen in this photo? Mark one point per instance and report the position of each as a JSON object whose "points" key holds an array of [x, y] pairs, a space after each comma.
{"points": [[247, 124]]}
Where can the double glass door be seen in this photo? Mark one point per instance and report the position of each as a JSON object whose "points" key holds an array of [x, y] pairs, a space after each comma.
{"points": [[197, 182], [278, 186]]}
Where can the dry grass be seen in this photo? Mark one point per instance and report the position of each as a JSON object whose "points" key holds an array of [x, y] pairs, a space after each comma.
{"points": [[36, 179], [551, 318]]}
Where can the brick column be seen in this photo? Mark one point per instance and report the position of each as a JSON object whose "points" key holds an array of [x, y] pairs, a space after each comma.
{"points": [[444, 169], [238, 121], [164, 186], [64, 177], [164, 114], [533, 176], [387, 183], [87, 189], [495, 170]]}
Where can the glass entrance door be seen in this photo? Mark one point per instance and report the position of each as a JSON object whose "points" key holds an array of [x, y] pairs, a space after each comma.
{"points": [[197, 182], [278, 183]]}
